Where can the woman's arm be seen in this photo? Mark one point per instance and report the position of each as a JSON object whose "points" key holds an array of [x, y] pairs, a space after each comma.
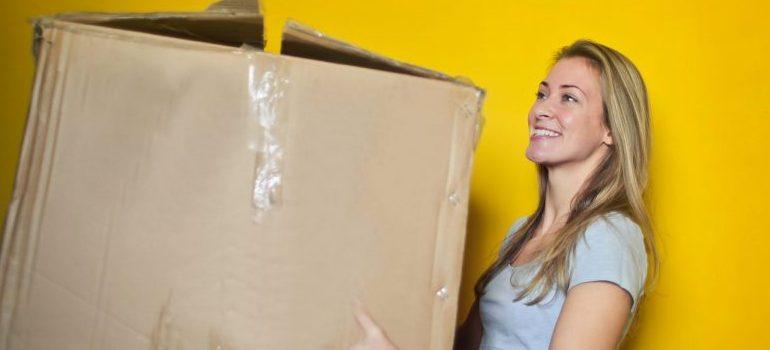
{"points": [[468, 335], [593, 317]]}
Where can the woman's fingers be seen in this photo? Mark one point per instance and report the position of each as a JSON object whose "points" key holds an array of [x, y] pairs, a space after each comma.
{"points": [[374, 337], [364, 320]]}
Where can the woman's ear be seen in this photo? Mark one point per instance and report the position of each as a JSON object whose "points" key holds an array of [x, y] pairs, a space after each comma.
{"points": [[608, 137]]}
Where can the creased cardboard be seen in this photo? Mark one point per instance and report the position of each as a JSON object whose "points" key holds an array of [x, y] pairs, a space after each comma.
{"points": [[134, 224]]}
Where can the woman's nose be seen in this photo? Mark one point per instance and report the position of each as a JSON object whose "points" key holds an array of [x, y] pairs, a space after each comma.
{"points": [[545, 108], [543, 111]]}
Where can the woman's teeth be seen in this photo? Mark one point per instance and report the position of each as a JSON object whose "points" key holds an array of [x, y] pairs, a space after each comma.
{"points": [[542, 132]]}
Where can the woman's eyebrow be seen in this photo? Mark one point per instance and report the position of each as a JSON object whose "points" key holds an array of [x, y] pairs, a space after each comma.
{"points": [[565, 86], [574, 86]]}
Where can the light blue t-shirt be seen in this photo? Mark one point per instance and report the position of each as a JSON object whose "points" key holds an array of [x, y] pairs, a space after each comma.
{"points": [[612, 249]]}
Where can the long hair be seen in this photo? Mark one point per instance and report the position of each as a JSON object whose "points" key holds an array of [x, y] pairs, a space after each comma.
{"points": [[617, 184]]}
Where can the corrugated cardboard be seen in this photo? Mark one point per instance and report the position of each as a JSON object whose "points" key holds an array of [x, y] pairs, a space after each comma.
{"points": [[199, 194]]}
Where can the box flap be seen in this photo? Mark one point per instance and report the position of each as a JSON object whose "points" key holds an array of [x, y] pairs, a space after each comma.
{"points": [[303, 41], [240, 6], [228, 22]]}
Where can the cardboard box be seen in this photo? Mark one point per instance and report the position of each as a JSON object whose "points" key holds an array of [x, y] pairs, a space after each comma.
{"points": [[180, 190]]}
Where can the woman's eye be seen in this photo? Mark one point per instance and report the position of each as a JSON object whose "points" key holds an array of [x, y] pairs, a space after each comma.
{"points": [[539, 95], [568, 97]]}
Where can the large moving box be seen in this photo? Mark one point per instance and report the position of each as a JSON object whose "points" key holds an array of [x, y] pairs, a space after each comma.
{"points": [[178, 189]]}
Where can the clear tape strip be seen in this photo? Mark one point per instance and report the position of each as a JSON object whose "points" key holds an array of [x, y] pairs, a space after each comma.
{"points": [[266, 88]]}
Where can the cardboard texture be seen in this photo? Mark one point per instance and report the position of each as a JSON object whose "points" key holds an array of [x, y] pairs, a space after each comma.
{"points": [[196, 194]]}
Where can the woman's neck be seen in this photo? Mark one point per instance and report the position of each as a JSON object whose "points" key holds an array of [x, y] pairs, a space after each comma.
{"points": [[564, 182]]}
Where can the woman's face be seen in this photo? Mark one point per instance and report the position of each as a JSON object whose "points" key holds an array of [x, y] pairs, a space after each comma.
{"points": [[569, 103]]}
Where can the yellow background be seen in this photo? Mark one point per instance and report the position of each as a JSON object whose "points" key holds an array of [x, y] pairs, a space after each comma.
{"points": [[706, 68]]}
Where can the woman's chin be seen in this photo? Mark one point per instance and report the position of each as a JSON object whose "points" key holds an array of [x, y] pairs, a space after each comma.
{"points": [[537, 157]]}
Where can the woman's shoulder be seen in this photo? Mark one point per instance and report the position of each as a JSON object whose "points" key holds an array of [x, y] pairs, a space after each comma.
{"points": [[518, 222], [613, 236], [515, 226], [615, 222], [614, 228], [609, 231], [612, 249]]}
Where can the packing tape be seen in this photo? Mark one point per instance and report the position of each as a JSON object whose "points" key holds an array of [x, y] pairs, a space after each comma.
{"points": [[266, 88]]}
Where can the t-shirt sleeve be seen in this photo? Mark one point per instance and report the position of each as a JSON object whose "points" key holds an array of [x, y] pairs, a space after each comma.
{"points": [[612, 250], [511, 230]]}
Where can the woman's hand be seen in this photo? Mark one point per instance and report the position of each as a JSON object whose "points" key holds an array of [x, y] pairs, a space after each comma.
{"points": [[374, 337]]}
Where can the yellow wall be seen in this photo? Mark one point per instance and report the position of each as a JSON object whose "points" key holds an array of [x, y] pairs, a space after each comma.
{"points": [[706, 68]]}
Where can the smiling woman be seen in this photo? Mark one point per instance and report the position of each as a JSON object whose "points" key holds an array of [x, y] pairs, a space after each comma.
{"points": [[572, 274]]}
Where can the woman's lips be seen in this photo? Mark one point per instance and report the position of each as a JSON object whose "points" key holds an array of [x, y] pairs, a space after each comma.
{"points": [[542, 137]]}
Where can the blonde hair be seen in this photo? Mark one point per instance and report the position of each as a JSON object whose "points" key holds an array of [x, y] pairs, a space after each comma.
{"points": [[617, 184]]}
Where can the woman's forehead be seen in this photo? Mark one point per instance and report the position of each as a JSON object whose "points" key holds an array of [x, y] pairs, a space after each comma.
{"points": [[573, 71]]}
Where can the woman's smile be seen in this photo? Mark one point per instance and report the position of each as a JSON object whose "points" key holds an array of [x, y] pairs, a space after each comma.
{"points": [[537, 134]]}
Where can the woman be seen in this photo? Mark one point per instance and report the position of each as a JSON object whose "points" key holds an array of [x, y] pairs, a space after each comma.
{"points": [[571, 275]]}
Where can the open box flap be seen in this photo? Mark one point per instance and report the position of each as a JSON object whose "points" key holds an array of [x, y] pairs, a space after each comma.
{"points": [[228, 22], [304, 41]]}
